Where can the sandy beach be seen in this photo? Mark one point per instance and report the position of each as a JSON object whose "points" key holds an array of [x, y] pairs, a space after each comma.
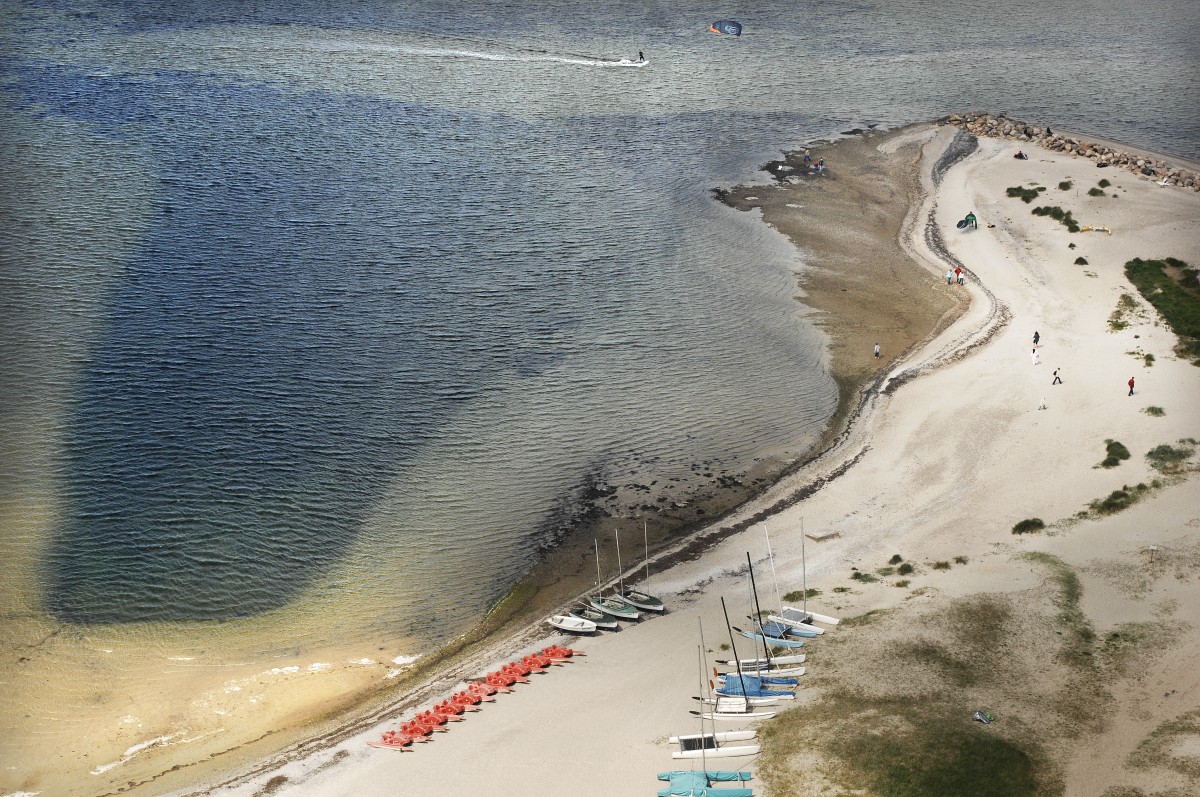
{"points": [[1077, 638]]}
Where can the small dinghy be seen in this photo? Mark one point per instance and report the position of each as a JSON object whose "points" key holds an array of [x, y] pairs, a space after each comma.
{"points": [[572, 625]]}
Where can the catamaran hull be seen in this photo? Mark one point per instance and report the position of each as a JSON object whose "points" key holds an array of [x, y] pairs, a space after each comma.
{"points": [[736, 716], [720, 736], [754, 701], [793, 616], [795, 658], [718, 752]]}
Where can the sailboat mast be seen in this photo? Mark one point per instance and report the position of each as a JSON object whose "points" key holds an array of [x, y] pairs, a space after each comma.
{"points": [[646, 539], [620, 572], [774, 575], [803, 570], [732, 646], [599, 591], [758, 609], [701, 662]]}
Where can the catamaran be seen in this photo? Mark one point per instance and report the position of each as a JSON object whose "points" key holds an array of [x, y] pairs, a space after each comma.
{"points": [[715, 744]]}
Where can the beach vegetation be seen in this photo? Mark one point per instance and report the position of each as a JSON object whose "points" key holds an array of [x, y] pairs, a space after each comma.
{"points": [[1119, 500], [1059, 215], [904, 582], [896, 559], [1104, 183], [1155, 411], [1071, 245], [1116, 452], [841, 589], [1096, 192], [866, 618], [1026, 195], [1164, 747], [885, 571], [941, 565], [1065, 185], [723, 646], [1170, 459], [1173, 288], [905, 569], [272, 785], [960, 560], [1029, 525], [1081, 261], [799, 594], [865, 578], [1119, 319], [1148, 359]]}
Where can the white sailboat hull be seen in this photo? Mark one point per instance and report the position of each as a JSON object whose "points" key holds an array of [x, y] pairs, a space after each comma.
{"points": [[754, 701], [737, 716], [720, 736], [759, 663], [772, 672], [718, 752], [790, 615]]}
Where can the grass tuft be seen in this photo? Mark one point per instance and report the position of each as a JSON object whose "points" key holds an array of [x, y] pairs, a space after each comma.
{"points": [[1058, 214], [1081, 261], [1116, 452], [1065, 185], [1029, 525], [1026, 195], [1155, 412], [896, 559], [1096, 192], [905, 569], [940, 565]]}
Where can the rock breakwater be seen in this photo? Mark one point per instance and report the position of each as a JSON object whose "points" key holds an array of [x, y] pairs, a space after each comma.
{"points": [[999, 126]]}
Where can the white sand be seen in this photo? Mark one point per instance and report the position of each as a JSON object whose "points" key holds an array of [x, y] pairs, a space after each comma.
{"points": [[946, 465]]}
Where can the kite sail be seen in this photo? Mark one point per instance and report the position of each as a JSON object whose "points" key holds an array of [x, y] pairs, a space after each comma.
{"points": [[727, 27]]}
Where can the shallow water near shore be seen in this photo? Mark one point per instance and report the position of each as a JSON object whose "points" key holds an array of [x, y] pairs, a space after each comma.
{"points": [[321, 327]]}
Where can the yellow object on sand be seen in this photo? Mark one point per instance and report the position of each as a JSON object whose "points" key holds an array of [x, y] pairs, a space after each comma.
{"points": [[1098, 228]]}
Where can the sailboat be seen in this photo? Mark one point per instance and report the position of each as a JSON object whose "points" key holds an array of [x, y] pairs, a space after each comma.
{"points": [[788, 615], [742, 685], [642, 600], [715, 744], [588, 612], [612, 606], [687, 783]]}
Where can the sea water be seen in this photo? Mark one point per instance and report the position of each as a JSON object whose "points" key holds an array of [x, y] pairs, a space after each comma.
{"points": [[322, 324]]}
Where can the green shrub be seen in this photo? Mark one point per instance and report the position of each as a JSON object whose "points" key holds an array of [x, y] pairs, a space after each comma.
{"points": [[841, 589], [1058, 214], [1026, 195], [896, 559], [1116, 452], [885, 571], [1148, 359], [866, 578], [904, 582], [799, 594], [1095, 192], [941, 565], [1104, 183], [1081, 261], [1065, 185], [960, 560], [1155, 412], [1169, 459], [905, 569], [1029, 525]]}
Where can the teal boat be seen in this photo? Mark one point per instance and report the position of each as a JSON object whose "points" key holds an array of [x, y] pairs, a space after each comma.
{"points": [[602, 620], [779, 643], [615, 607], [687, 783], [642, 600]]}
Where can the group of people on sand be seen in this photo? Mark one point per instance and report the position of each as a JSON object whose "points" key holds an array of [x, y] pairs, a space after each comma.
{"points": [[813, 168], [1057, 380], [955, 276]]}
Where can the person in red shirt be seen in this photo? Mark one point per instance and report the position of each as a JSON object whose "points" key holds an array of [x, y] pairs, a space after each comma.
{"points": [[1131, 385]]}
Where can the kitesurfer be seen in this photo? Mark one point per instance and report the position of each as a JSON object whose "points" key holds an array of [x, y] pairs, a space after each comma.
{"points": [[641, 57]]}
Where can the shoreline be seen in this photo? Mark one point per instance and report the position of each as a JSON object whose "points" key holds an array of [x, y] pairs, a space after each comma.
{"points": [[694, 575]]}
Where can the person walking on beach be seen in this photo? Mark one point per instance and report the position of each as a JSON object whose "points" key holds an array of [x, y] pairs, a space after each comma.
{"points": [[1036, 337], [1033, 355], [1131, 385], [958, 274], [1057, 378], [949, 276], [876, 351]]}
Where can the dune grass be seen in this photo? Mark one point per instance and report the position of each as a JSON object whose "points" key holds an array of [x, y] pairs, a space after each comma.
{"points": [[1173, 288]]}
